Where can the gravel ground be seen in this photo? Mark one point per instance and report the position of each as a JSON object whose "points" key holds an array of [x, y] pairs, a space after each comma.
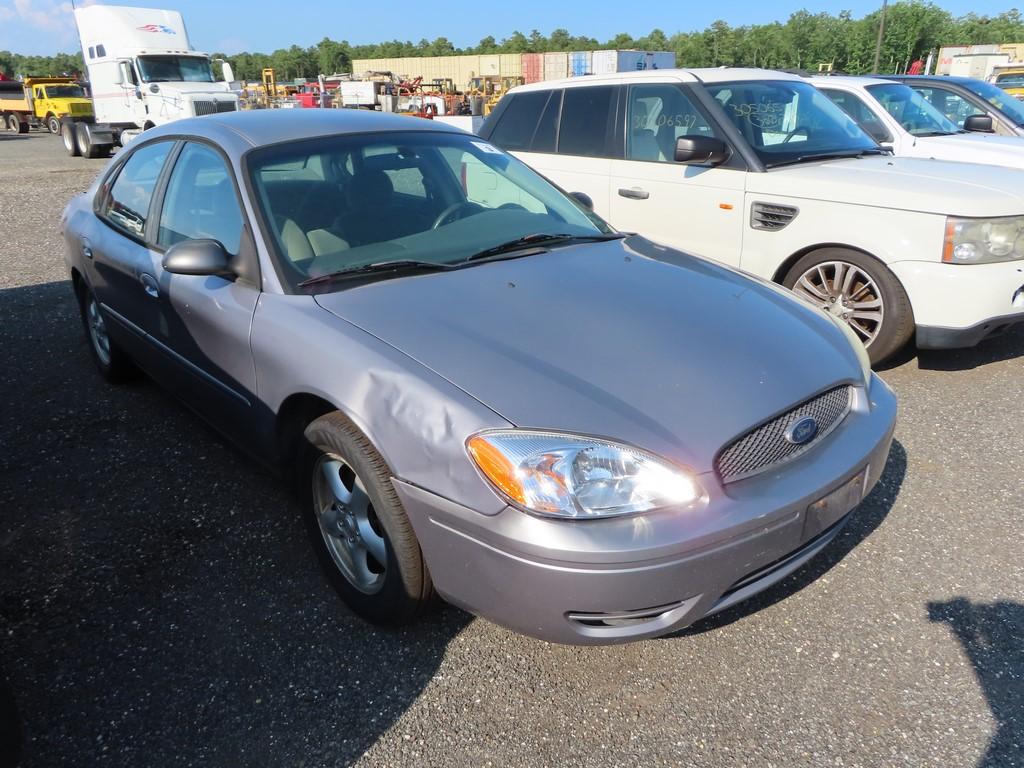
{"points": [[159, 604]]}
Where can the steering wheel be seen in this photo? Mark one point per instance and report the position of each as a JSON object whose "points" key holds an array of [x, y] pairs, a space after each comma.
{"points": [[463, 208], [799, 129]]}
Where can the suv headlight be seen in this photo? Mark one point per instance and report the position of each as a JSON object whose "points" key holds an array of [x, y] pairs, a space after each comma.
{"points": [[983, 241], [561, 475]]}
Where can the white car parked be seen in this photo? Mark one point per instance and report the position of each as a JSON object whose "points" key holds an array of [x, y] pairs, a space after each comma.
{"points": [[900, 118], [760, 170]]}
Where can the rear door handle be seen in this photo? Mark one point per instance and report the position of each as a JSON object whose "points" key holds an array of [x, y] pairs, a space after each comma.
{"points": [[634, 193], [149, 285]]}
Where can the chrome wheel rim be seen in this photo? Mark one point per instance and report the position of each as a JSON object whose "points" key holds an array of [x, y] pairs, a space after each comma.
{"points": [[98, 332], [349, 525], [848, 293]]}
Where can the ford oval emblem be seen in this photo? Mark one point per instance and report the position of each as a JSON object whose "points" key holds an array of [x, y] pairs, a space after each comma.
{"points": [[802, 431]]}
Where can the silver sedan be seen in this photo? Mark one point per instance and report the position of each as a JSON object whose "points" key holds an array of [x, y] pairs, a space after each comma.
{"points": [[479, 390]]}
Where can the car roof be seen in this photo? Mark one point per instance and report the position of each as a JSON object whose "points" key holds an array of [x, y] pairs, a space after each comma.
{"points": [[956, 80], [705, 75], [851, 80], [245, 129]]}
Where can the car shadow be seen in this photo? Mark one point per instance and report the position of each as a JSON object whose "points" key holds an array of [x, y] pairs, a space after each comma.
{"points": [[872, 511], [159, 600], [990, 634], [1007, 346]]}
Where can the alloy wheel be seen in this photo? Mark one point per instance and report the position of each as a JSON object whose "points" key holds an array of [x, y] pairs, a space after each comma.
{"points": [[847, 292], [98, 331]]}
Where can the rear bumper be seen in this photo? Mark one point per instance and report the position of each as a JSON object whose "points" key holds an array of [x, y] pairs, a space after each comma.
{"points": [[958, 305], [624, 579]]}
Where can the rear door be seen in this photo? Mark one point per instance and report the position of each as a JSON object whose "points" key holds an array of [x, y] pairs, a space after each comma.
{"points": [[696, 209], [205, 320]]}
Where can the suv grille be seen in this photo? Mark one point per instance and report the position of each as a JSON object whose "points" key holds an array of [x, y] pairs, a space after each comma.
{"points": [[771, 217], [765, 446]]}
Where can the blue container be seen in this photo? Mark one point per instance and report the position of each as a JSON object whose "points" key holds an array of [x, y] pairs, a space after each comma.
{"points": [[581, 63]]}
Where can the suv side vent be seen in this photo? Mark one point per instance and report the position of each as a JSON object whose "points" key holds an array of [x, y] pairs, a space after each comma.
{"points": [[771, 217]]}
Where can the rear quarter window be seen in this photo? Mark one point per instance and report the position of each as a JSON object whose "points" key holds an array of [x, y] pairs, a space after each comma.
{"points": [[518, 123]]}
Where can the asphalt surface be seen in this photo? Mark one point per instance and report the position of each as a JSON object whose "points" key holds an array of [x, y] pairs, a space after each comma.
{"points": [[159, 604]]}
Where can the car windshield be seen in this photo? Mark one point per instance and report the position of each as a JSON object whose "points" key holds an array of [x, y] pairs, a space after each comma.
{"points": [[787, 121], [346, 202], [1011, 80], [912, 110], [998, 98], [175, 69], [64, 92]]}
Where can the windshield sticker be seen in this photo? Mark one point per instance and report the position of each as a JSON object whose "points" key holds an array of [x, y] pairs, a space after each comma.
{"points": [[487, 148]]}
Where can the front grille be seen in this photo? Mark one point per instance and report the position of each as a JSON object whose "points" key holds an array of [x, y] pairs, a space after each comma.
{"points": [[224, 105], [80, 109], [765, 446], [771, 217], [204, 107]]}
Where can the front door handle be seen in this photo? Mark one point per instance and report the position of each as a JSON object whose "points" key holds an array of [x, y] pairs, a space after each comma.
{"points": [[87, 251], [634, 193], [150, 285]]}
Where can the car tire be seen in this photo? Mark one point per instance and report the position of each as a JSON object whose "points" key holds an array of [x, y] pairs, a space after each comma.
{"points": [[86, 146], [67, 135], [861, 290], [364, 540], [112, 362], [53, 124], [14, 124]]}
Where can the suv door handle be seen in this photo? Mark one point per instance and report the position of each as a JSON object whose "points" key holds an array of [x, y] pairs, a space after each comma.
{"points": [[634, 193], [149, 285]]}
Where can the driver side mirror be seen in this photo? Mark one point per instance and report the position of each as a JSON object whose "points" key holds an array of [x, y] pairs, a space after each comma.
{"points": [[583, 199], [701, 150], [978, 124], [198, 257]]}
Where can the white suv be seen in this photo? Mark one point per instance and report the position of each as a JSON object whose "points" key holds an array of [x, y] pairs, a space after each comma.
{"points": [[760, 170], [903, 119]]}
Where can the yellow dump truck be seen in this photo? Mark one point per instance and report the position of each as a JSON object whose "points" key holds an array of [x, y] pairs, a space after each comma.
{"points": [[1010, 79], [42, 102]]}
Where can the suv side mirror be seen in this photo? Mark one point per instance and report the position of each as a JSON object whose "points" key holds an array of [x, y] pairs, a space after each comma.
{"points": [[197, 257], [978, 124], [583, 199], [701, 150]]}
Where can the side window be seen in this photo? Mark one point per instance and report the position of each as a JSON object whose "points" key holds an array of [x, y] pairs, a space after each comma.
{"points": [[200, 201], [586, 114], [101, 51], [860, 112], [127, 204], [955, 107], [519, 122], [657, 115], [547, 128]]}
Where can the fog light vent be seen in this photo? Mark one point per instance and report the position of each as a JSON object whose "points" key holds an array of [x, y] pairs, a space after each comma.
{"points": [[622, 618]]}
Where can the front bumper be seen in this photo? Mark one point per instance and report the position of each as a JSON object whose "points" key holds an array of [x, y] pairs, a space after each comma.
{"points": [[958, 305], [623, 579]]}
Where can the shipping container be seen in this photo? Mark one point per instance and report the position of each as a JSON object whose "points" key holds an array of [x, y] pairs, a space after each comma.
{"points": [[556, 66], [459, 69], [1015, 51], [581, 63], [533, 67], [977, 65], [609, 62], [511, 65], [490, 65]]}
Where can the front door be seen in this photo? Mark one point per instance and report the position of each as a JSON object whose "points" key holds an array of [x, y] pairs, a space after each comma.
{"points": [[695, 209]]}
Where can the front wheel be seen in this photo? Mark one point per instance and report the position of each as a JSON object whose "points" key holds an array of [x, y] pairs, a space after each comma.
{"points": [[53, 124], [859, 290], [361, 534]]}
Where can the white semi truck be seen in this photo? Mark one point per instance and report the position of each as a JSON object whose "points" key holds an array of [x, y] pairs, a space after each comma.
{"points": [[143, 71]]}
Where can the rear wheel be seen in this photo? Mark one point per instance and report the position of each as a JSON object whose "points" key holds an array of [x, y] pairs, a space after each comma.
{"points": [[113, 364], [67, 134], [859, 290], [361, 534], [86, 146], [15, 125], [53, 124]]}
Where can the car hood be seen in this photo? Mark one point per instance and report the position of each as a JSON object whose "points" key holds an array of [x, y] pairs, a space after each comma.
{"points": [[1005, 151], [622, 339], [900, 183]]}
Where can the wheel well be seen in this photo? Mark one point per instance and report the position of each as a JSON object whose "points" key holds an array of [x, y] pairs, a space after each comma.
{"points": [[148, 124], [77, 283], [784, 267], [296, 413]]}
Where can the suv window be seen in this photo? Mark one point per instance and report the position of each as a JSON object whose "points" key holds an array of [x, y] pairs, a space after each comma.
{"points": [[547, 129], [127, 204], [519, 122], [953, 106], [657, 115], [200, 201], [586, 114], [855, 107]]}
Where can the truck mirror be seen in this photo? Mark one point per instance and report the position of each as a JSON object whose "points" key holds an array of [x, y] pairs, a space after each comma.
{"points": [[229, 73], [119, 75]]}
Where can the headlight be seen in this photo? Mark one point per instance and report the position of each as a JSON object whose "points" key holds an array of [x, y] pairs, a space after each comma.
{"points": [[579, 477], [858, 346], [983, 241]]}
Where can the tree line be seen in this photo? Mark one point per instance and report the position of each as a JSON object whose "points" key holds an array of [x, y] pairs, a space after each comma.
{"points": [[804, 41]]}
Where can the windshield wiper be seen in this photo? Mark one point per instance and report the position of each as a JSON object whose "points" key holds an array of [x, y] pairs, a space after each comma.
{"points": [[828, 156], [377, 266], [528, 241]]}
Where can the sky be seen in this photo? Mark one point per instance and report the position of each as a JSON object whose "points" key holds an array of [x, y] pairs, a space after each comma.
{"points": [[44, 27]]}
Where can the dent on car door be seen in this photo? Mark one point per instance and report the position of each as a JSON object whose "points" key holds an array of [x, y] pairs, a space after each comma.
{"points": [[694, 208], [118, 259], [204, 320]]}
